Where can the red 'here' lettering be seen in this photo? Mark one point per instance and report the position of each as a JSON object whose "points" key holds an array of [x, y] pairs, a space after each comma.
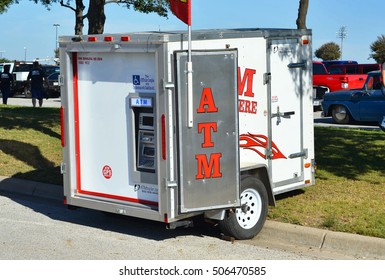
{"points": [[247, 106]]}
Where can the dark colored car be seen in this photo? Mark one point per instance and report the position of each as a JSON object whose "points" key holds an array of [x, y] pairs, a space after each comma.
{"points": [[50, 69], [359, 105], [54, 88]]}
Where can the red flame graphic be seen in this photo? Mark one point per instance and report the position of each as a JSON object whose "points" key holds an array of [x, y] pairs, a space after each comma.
{"points": [[255, 141]]}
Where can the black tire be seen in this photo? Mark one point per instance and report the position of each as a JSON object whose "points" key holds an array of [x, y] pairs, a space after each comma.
{"points": [[340, 114], [247, 221]]}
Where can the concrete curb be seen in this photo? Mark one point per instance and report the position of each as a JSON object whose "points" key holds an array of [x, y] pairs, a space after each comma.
{"points": [[343, 243], [31, 188]]}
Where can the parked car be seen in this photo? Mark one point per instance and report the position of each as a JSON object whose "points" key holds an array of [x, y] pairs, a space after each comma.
{"points": [[327, 63], [353, 68], [50, 69], [319, 72], [53, 90], [360, 105]]}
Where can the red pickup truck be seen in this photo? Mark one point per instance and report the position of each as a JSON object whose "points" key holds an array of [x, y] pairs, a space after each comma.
{"points": [[338, 77]]}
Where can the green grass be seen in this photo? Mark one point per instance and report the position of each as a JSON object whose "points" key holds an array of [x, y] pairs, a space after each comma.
{"points": [[30, 146], [349, 194]]}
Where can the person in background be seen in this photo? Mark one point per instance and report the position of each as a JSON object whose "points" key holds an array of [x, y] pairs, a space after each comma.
{"points": [[6, 83], [37, 78]]}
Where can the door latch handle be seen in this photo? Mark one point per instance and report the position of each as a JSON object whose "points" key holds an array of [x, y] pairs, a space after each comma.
{"points": [[280, 115]]}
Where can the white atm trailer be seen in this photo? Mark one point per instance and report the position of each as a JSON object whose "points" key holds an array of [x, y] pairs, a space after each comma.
{"points": [[135, 142]]}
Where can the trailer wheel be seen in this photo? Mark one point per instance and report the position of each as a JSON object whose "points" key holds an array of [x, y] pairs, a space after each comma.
{"points": [[247, 221], [340, 114]]}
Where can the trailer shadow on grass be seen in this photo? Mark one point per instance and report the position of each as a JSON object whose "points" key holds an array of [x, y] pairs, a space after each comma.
{"points": [[44, 170], [38, 119]]}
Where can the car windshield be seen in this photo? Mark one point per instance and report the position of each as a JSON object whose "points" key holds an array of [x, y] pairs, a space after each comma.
{"points": [[318, 69], [53, 76], [50, 69], [23, 68], [374, 82]]}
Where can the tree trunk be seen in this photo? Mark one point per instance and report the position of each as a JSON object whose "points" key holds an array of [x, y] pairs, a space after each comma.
{"points": [[96, 17], [302, 13], [79, 24]]}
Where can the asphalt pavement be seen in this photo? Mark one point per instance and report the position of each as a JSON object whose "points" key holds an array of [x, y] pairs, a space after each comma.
{"points": [[282, 235], [350, 245], [328, 122], [22, 101]]}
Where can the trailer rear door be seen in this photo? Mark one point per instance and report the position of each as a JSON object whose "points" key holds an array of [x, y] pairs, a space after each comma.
{"points": [[208, 151], [286, 93]]}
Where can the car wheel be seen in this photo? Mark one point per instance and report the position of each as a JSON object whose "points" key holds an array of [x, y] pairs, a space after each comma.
{"points": [[340, 114], [247, 221]]}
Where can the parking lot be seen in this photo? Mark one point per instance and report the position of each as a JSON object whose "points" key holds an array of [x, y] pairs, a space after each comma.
{"points": [[318, 119], [20, 101], [322, 121]]}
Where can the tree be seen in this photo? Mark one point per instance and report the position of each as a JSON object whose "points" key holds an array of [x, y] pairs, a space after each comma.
{"points": [[96, 16], [378, 49], [328, 51], [95, 13], [4, 5], [302, 13]]}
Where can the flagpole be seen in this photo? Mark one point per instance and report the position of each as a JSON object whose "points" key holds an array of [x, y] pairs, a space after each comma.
{"points": [[189, 83], [182, 10]]}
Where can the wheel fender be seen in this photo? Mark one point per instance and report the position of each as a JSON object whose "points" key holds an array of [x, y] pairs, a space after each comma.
{"points": [[261, 172]]}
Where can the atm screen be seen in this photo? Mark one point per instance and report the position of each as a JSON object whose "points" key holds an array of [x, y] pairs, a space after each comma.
{"points": [[148, 121]]}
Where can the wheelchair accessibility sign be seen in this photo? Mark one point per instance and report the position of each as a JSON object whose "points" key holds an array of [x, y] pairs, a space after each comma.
{"points": [[143, 82], [136, 80]]}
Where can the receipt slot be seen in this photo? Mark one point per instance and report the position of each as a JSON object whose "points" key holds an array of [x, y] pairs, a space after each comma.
{"points": [[145, 146]]}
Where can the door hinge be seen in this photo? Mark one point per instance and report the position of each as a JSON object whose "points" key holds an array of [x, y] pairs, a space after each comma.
{"points": [[266, 78], [62, 168], [61, 80], [269, 153], [167, 85], [171, 184]]}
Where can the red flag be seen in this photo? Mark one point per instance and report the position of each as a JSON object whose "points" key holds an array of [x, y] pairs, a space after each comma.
{"points": [[182, 10]]}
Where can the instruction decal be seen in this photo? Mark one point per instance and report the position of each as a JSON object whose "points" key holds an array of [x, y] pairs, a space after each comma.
{"points": [[143, 82]]}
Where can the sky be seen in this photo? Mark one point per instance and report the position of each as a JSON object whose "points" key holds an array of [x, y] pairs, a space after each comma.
{"points": [[27, 30]]}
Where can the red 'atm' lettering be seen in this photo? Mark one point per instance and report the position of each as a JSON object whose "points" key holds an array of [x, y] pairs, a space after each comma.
{"points": [[206, 128], [246, 79], [207, 104], [209, 169]]}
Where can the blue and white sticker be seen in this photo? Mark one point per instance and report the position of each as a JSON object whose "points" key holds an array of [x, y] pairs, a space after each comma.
{"points": [[141, 102], [143, 82]]}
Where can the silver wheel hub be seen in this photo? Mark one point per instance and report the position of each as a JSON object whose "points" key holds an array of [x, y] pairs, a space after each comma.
{"points": [[340, 113], [250, 211]]}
